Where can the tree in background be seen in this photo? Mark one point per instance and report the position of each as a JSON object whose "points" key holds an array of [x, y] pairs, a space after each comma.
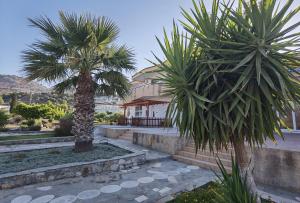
{"points": [[13, 102], [80, 53], [1, 100], [3, 119], [231, 75]]}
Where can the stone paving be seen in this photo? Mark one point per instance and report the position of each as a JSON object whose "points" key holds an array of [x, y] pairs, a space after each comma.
{"points": [[148, 183]]}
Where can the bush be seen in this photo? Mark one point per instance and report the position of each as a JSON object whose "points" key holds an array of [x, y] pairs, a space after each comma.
{"points": [[234, 187], [31, 125], [65, 126], [36, 111], [3, 119], [1, 100], [100, 117], [13, 102], [108, 117]]}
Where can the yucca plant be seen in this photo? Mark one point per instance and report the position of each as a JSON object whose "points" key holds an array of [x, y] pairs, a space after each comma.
{"points": [[233, 186], [80, 53], [232, 74]]}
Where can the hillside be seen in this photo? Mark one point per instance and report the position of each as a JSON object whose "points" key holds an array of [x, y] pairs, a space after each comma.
{"points": [[13, 83]]}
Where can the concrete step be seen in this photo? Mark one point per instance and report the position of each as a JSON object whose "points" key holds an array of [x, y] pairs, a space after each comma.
{"points": [[126, 137], [221, 155], [230, 148], [202, 164], [207, 158]]}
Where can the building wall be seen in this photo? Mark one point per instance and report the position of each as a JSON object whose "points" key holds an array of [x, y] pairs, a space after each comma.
{"points": [[104, 104], [159, 111]]}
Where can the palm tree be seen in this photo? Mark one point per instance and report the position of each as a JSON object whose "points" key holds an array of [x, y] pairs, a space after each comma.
{"points": [[232, 74], [80, 53]]}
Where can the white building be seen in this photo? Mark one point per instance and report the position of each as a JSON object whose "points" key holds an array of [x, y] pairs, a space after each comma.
{"points": [[146, 99]]}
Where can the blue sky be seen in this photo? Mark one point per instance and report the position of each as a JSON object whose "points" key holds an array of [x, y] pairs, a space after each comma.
{"points": [[139, 21]]}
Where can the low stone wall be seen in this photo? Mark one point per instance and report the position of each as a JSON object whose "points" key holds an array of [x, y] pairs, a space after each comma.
{"points": [[12, 180], [38, 141], [277, 167], [164, 143], [273, 167], [113, 132]]}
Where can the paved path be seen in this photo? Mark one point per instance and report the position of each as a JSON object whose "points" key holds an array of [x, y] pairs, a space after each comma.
{"points": [[149, 183]]}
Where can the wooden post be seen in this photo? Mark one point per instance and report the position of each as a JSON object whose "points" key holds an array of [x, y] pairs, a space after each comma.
{"points": [[147, 114], [125, 115]]}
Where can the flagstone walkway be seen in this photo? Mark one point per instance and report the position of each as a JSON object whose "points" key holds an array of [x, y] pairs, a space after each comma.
{"points": [[147, 183], [152, 182]]}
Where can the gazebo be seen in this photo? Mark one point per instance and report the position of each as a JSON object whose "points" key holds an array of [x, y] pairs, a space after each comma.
{"points": [[145, 121]]}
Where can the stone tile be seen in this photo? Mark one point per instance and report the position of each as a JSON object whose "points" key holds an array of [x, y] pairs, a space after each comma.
{"points": [[157, 165], [160, 176], [43, 199], [141, 198], [110, 189], [64, 199], [145, 180], [88, 194], [155, 189], [192, 167], [22, 199], [172, 180], [129, 184], [45, 188], [164, 190]]}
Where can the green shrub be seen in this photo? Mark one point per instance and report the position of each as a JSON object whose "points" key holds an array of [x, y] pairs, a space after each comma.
{"points": [[65, 126], [112, 118], [37, 111], [203, 194], [3, 119], [108, 117], [234, 187], [32, 125], [13, 102], [100, 117], [27, 111], [1, 100]]}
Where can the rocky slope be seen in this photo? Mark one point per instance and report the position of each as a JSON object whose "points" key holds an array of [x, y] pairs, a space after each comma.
{"points": [[13, 83]]}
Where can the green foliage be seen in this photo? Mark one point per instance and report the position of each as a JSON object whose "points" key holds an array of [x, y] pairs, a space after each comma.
{"points": [[100, 117], [233, 72], [203, 194], [31, 125], [13, 102], [79, 44], [65, 126], [3, 119], [1, 100], [108, 117], [47, 111], [234, 187], [28, 111]]}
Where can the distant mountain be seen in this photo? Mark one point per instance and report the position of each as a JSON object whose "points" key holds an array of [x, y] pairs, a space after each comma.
{"points": [[13, 83]]}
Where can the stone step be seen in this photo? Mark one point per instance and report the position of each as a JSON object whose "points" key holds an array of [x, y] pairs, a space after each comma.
{"points": [[192, 149], [223, 155], [192, 144], [202, 164], [126, 137], [207, 158]]}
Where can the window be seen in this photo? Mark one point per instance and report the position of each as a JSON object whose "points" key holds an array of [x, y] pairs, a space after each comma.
{"points": [[138, 111]]}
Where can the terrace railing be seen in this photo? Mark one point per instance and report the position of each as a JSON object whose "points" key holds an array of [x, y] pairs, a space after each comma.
{"points": [[144, 122]]}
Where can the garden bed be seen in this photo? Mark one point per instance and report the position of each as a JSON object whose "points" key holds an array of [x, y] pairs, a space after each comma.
{"points": [[33, 139], [20, 168], [203, 194]]}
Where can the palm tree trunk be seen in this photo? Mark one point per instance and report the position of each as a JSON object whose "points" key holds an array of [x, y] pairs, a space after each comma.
{"points": [[245, 161], [84, 113]]}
